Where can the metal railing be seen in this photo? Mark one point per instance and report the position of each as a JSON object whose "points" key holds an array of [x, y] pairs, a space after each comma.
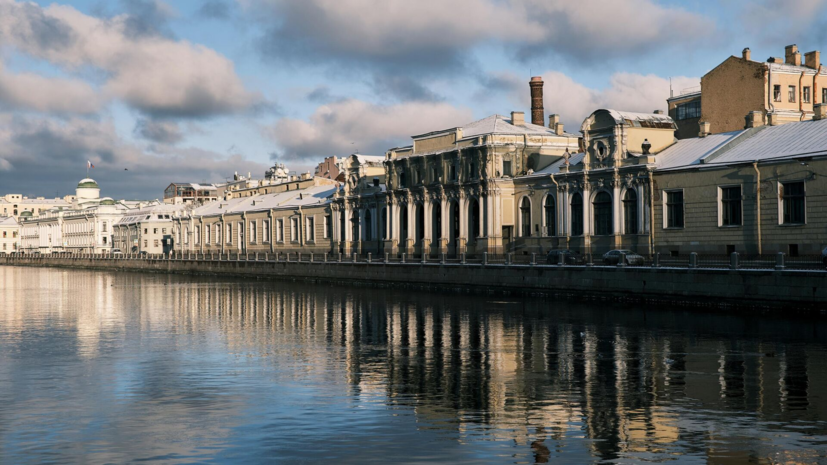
{"points": [[735, 261]]}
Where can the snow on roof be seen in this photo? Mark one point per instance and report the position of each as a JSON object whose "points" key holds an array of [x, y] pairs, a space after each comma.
{"points": [[499, 124], [796, 69], [315, 195], [623, 116], [687, 152], [365, 159], [772, 142]]}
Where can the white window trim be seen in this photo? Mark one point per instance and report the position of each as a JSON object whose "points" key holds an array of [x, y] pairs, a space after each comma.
{"points": [[721, 207], [665, 210], [265, 238], [779, 186]]}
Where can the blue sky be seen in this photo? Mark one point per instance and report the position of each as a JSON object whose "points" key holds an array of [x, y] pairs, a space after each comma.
{"points": [[156, 91]]}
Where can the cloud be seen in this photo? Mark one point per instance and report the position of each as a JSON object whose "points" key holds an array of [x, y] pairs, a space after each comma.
{"points": [[147, 17], [215, 9], [159, 76], [346, 126], [165, 132], [45, 152], [428, 35], [28, 91], [403, 88], [574, 101], [804, 21]]}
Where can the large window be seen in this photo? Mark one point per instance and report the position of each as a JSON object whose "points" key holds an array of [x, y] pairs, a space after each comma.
{"points": [[265, 231], [630, 212], [229, 235], [525, 217], [791, 94], [551, 216], [792, 200], [731, 206], [576, 215], [824, 95], [311, 228], [368, 226], [689, 110], [327, 230], [294, 229], [602, 214], [805, 97], [674, 209], [507, 168], [280, 231], [253, 236], [776, 92]]}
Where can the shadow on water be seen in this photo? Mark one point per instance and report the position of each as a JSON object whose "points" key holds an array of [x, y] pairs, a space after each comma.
{"points": [[102, 367]]}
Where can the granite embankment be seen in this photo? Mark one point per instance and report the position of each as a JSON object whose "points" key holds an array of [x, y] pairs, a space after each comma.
{"points": [[698, 286]]}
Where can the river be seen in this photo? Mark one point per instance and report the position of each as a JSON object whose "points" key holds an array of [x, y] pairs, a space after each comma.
{"points": [[106, 367]]}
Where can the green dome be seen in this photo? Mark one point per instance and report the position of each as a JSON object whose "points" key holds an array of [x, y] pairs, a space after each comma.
{"points": [[26, 214], [88, 183], [107, 202]]}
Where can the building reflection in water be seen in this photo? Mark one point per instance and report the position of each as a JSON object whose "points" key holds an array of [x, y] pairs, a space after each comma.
{"points": [[546, 377]]}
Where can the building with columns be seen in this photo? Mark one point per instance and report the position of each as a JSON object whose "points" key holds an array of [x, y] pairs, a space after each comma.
{"points": [[451, 191]]}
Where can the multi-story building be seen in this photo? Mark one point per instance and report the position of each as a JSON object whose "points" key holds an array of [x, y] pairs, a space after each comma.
{"points": [[328, 168], [191, 193], [9, 229], [15, 204], [147, 229], [779, 90]]}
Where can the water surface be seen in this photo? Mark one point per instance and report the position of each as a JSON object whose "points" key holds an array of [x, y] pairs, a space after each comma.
{"points": [[104, 367]]}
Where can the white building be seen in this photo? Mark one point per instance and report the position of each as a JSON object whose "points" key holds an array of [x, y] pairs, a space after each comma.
{"points": [[8, 234], [147, 229]]}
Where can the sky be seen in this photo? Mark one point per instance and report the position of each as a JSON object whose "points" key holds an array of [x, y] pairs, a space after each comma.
{"points": [[160, 91]]}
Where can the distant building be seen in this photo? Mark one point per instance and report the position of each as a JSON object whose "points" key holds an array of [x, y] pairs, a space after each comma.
{"points": [[8, 234], [147, 229], [741, 93], [191, 193], [329, 168], [13, 205]]}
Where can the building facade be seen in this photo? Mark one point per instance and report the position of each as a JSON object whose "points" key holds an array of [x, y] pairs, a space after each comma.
{"points": [[148, 229], [13, 205], [9, 230]]}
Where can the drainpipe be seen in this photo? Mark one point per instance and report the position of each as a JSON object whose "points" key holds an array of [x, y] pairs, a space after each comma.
{"points": [[815, 84], [651, 215], [770, 97], [801, 96], [758, 202]]}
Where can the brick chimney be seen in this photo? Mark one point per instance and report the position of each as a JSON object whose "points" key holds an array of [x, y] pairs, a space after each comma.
{"points": [[754, 119], [819, 111], [537, 113], [791, 55], [746, 54], [518, 118], [812, 59]]}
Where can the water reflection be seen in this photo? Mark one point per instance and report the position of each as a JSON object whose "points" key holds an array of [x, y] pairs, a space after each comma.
{"points": [[99, 367]]}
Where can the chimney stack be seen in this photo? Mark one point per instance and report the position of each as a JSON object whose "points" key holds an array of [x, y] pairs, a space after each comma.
{"points": [[773, 119], [746, 54], [791, 55], [754, 119], [657, 112], [819, 111], [812, 59], [706, 129], [518, 118], [552, 120], [537, 111]]}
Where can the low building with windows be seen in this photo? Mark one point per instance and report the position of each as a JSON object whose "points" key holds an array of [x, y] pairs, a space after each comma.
{"points": [[293, 217], [13, 205], [9, 230], [148, 229]]}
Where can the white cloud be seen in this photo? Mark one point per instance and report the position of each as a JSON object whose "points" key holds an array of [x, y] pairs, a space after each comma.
{"points": [[154, 74], [342, 127], [28, 91]]}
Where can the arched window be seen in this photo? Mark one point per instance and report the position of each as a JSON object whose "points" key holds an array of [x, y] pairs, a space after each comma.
{"points": [[454, 221], [368, 226], [630, 212], [420, 222], [602, 214], [576, 215], [474, 219], [436, 221], [525, 217], [403, 222], [354, 226], [551, 216]]}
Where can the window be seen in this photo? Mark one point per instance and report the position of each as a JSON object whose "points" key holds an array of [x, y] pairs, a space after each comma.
{"points": [[791, 94], [146, 230], [197, 235], [402, 180], [824, 95], [805, 94], [327, 232], [155, 242], [452, 171], [551, 216], [207, 238], [368, 226], [217, 235], [776, 93], [229, 235], [253, 236], [186, 235], [294, 229], [731, 206], [576, 215], [507, 168], [689, 110], [280, 231], [674, 209], [104, 226], [525, 217], [146, 243], [602, 214], [792, 199], [265, 231], [311, 228], [473, 170], [630, 212], [154, 230], [240, 229]]}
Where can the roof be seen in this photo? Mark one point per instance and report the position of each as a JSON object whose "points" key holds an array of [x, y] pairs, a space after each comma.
{"points": [[690, 151], [554, 168], [795, 69], [6, 221], [621, 117], [499, 124], [36, 201], [365, 159], [88, 183], [316, 195]]}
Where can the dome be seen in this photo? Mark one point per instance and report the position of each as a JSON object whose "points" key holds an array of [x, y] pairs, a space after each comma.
{"points": [[88, 183], [26, 214], [107, 201]]}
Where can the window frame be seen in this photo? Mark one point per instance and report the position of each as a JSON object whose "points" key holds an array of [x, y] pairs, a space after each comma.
{"points": [[667, 210], [805, 94], [724, 203], [791, 93], [602, 226], [776, 92], [310, 228], [624, 204], [782, 202], [575, 214]]}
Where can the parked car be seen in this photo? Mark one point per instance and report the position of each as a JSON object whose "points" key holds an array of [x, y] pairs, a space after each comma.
{"points": [[117, 252], [612, 257], [570, 258]]}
